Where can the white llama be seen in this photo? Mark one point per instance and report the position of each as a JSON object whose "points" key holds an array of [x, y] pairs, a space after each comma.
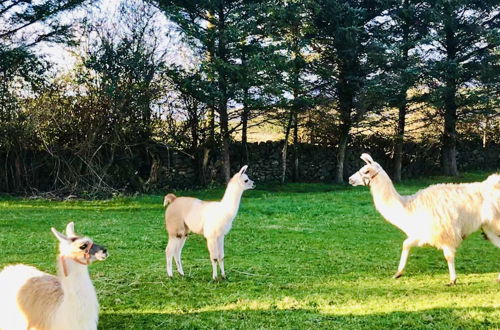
{"points": [[213, 220], [31, 299], [441, 215]]}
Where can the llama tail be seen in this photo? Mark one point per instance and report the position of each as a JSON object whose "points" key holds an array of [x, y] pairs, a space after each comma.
{"points": [[169, 199]]}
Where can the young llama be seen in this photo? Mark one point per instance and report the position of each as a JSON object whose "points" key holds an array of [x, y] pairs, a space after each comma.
{"points": [[441, 215], [34, 300], [213, 220]]}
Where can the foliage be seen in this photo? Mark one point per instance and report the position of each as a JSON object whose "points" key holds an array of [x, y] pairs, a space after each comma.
{"points": [[321, 71], [25, 23], [461, 55]]}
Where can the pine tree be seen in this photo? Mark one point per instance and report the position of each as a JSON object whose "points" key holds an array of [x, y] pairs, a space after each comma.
{"points": [[399, 33], [343, 42], [216, 29], [463, 42]]}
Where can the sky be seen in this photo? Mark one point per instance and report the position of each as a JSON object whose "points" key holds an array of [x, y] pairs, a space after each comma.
{"points": [[106, 12]]}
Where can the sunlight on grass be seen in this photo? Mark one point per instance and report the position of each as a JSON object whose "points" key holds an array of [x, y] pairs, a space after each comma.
{"points": [[298, 256]]}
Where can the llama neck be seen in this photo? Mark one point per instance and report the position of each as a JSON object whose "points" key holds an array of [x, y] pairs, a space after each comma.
{"points": [[388, 201], [231, 199], [79, 308], [79, 292]]}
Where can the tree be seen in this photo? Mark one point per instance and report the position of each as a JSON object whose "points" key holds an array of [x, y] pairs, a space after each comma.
{"points": [[461, 46], [259, 68], [399, 33], [95, 124], [186, 122], [25, 23], [215, 28], [342, 41], [290, 28]]}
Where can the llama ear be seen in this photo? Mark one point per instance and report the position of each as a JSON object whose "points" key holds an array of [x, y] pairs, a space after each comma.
{"points": [[367, 158], [59, 236], [70, 229], [243, 169]]}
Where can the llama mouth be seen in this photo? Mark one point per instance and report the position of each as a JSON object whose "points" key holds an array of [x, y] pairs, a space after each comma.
{"points": [[101, 255]]}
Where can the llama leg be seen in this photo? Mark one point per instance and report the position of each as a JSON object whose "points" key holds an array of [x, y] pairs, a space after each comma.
{"points": [[407, 245], [220, 258], [449, 254], [170, 252], [177, 255], [169, 255], [494, 239], [212, 249]]}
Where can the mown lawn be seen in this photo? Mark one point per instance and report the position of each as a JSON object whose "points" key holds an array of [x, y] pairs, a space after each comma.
{"points": [[298, 256]]}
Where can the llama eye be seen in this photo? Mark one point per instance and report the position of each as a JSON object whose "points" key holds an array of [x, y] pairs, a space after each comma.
{"points": [[246, 180], [83, 247]]}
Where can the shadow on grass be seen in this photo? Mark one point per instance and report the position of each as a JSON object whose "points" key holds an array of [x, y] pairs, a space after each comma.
{"points": [[438, 318]]}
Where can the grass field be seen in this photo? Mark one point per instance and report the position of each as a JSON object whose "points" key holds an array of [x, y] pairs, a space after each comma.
{"points": [[299, 256]]}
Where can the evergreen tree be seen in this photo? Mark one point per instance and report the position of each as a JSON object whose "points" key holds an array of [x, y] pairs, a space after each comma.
{"points": [[399, 33], [292, 30], [464, 37], [343, 41], [216, 28]]}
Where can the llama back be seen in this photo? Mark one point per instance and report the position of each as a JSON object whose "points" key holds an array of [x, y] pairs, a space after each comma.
{"points": [[453, 209], [17, 284], [184, 215]]}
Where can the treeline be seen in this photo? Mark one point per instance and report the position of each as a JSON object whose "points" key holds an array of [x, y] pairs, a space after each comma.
{"points": [[320, 70]]}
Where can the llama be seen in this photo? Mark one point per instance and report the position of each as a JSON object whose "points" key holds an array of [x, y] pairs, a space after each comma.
{"points": [[211, 219], [32, 299], [440, 215]]}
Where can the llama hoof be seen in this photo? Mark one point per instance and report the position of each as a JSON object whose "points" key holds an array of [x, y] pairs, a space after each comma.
{"points": [[452, 283], [397, 275], [224, 277]]}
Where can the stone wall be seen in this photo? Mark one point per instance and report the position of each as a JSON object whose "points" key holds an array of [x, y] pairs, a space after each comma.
{"points": [[317, 163]]}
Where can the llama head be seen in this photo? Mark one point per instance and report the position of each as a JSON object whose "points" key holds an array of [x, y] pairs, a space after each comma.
{"points": [[367, 173], [77, 247], [242, 179]]}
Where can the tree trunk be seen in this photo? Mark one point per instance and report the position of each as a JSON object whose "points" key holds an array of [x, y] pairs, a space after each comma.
{"points": [[211, 124], [194, 124], [345, 106], [244, 127], [223, 98], [210, 59], [400, 135], [224, 128], [402, 101], [285, 148], [450, 135], [344, 137], [295, 147], [226, 163], [449, 151]]}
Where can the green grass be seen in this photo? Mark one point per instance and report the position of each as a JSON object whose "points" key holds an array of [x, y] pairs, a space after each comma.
{"points": [[298, 256]]}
